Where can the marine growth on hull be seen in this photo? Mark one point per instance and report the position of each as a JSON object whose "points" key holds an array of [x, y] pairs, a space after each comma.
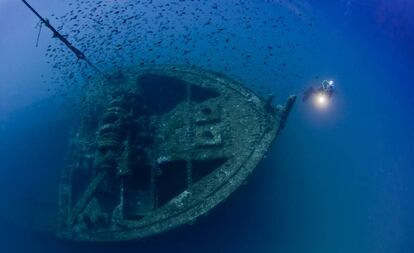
{"points": [[159, 147]]}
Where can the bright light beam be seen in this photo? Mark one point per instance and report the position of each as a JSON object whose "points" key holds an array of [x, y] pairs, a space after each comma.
{"points": [[321, 100]]}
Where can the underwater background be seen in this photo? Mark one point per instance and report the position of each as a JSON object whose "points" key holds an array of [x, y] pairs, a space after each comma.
{"points": [[335, 180]]}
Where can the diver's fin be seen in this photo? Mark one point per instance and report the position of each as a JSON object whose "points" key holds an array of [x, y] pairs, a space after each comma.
{"points": [[307, 94]]}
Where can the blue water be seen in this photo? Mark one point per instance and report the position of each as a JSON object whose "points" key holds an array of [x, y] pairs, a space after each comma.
{"points": [[336, 180]]}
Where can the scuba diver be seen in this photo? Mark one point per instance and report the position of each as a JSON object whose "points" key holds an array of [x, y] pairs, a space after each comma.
{"points": [[326, 90]]}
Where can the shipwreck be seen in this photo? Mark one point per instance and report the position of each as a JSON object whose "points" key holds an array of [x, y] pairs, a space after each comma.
{"points": [[158, 148]]}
